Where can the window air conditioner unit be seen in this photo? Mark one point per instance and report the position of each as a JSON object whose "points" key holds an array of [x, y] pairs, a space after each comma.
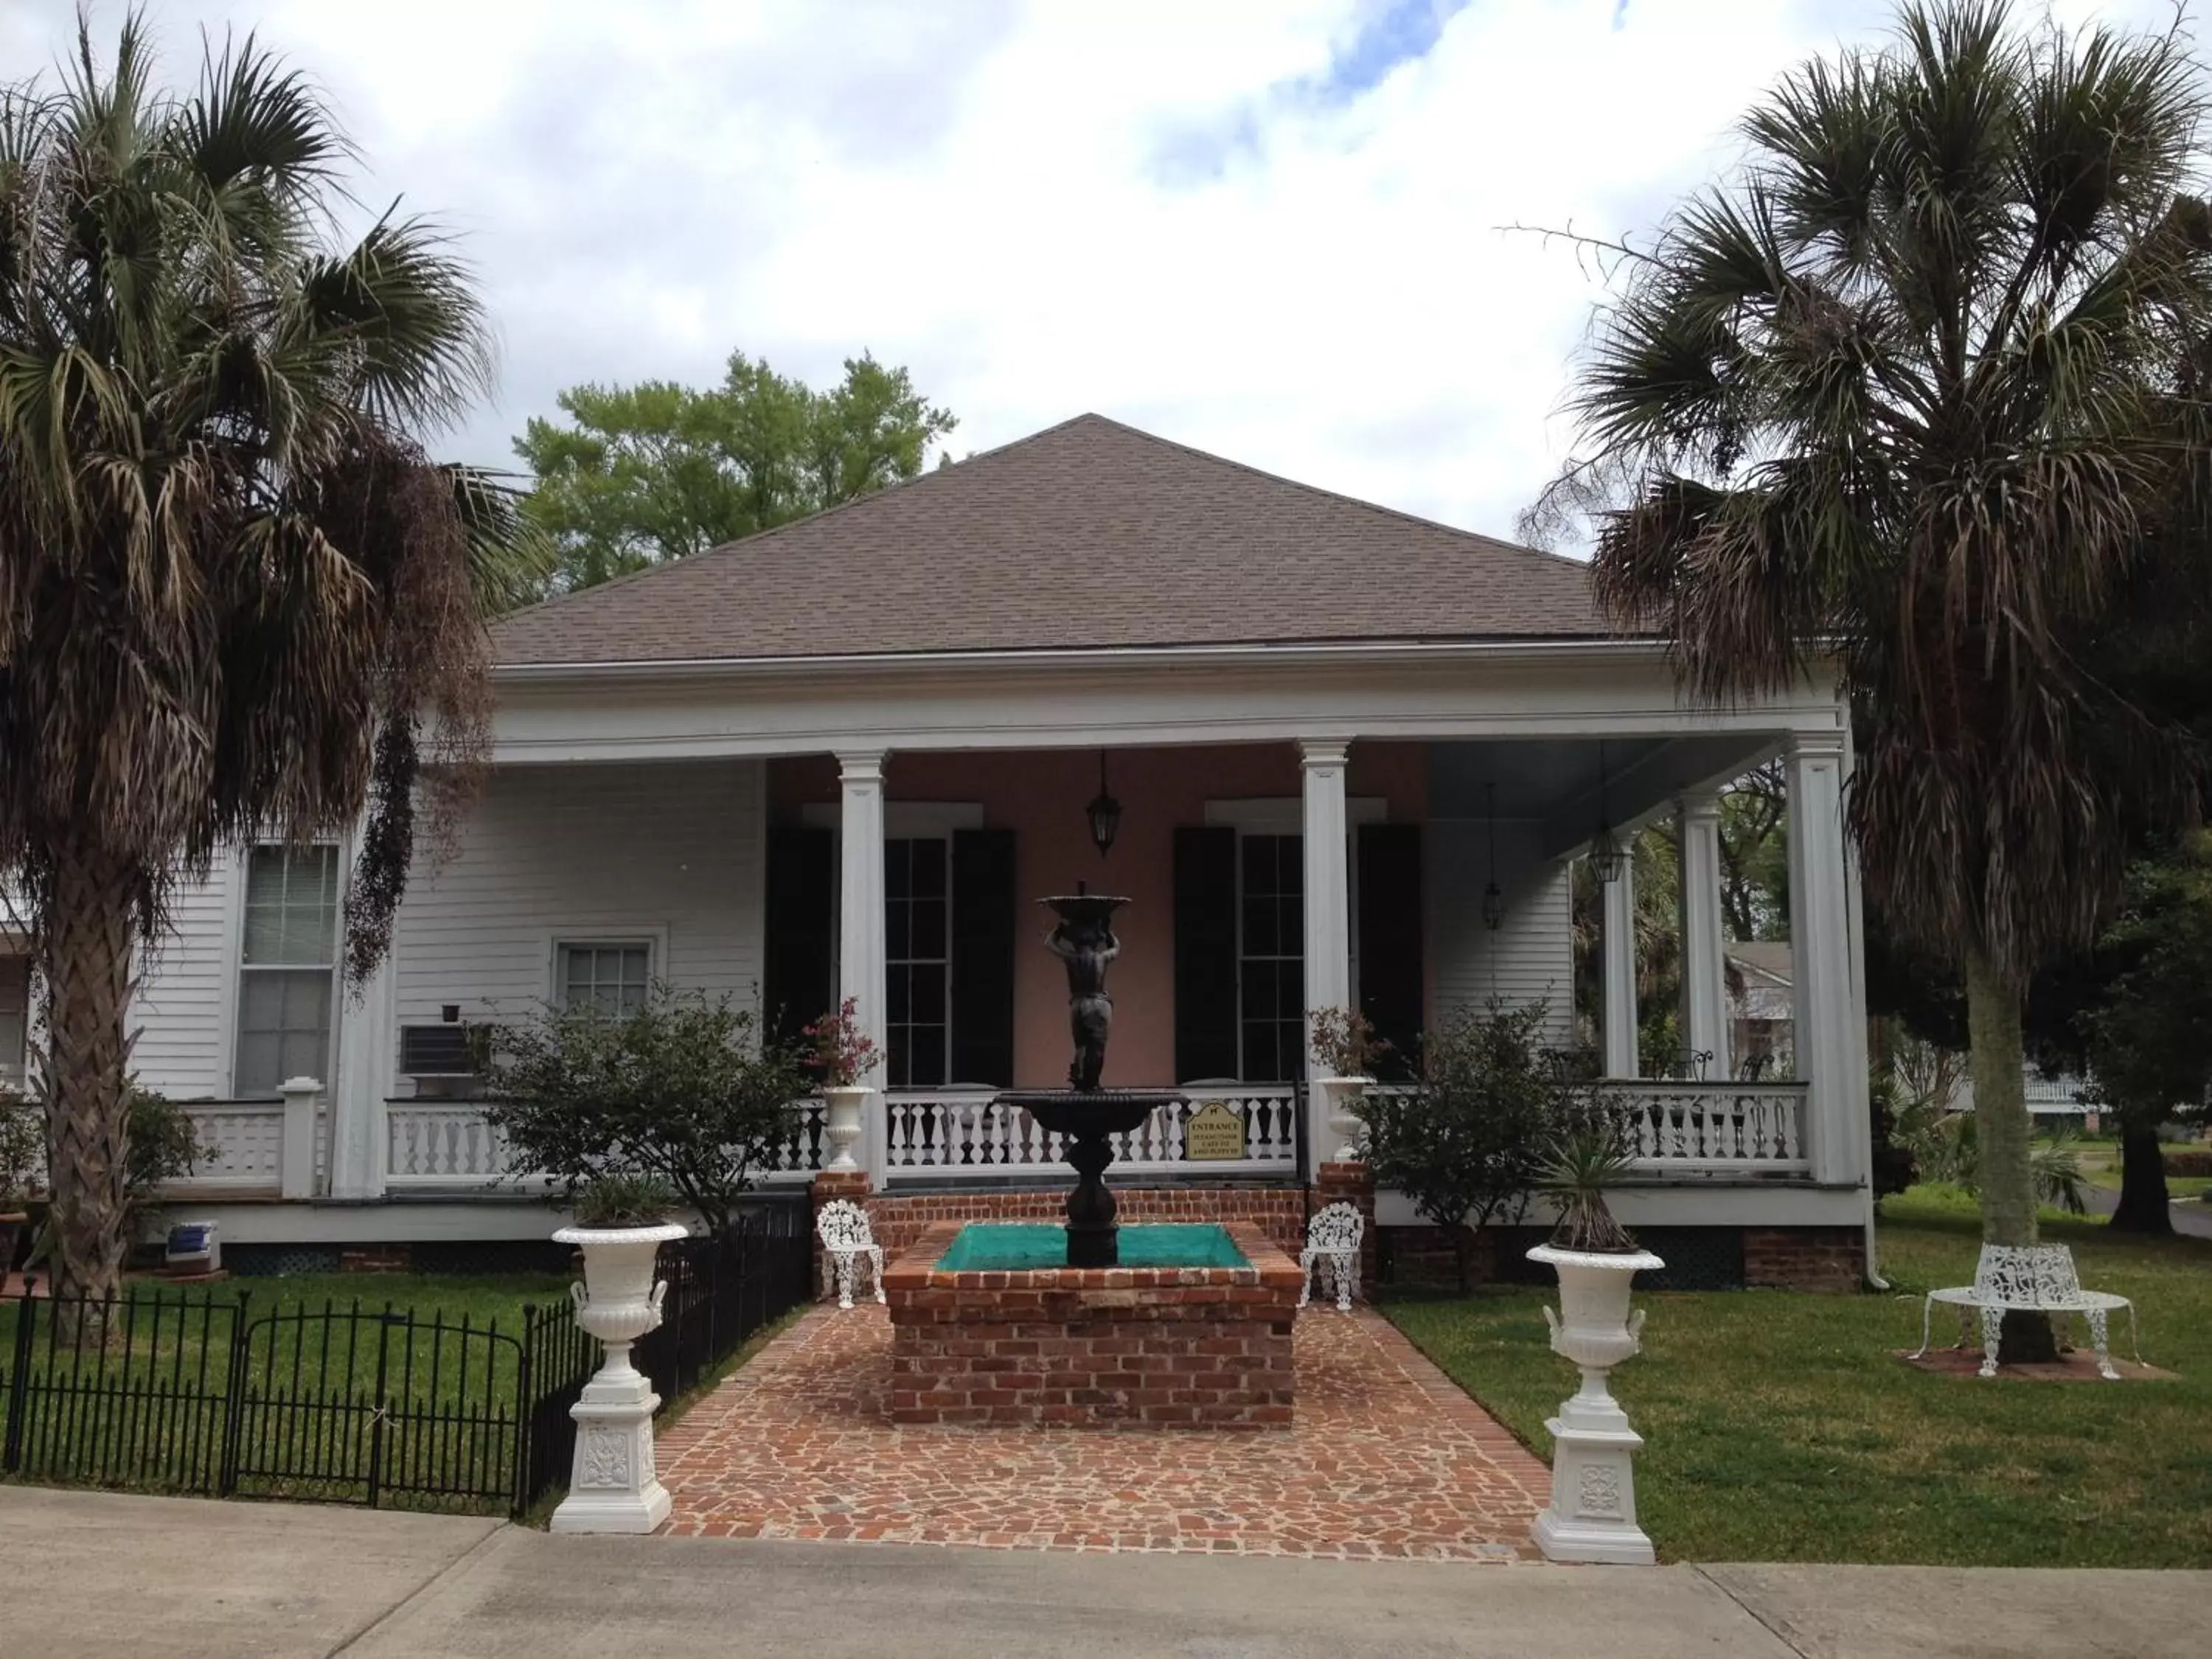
{"points": [[441, 1050]]}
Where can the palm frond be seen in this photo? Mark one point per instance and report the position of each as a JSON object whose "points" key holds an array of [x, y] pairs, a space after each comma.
{"points": [[1919, 391]]}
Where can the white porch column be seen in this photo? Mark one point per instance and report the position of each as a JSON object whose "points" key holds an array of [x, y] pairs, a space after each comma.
{"points": [[1328, 904], [1705, 956], [1820, 949], [367, 1040], [861, 971], [1618, 943]]}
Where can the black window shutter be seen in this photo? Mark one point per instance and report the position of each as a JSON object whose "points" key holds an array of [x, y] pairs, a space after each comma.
{"points": [[1390, 984], [983, 925], [1205, 953], [799, 978]]}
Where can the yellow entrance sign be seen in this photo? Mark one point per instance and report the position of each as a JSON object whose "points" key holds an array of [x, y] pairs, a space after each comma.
{"points": [[1213, 1132]]}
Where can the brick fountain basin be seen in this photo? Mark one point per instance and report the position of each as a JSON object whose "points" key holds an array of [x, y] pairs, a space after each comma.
{"points": [[1123, 1346]]}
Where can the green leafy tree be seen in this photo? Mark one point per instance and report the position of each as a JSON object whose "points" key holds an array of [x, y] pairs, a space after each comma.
{"points": [[643, 474], [2146, 1034], [680, 1088], [1755, 856], [1913, 392], [1466, 1144], [1654, 865], [237, 599]]}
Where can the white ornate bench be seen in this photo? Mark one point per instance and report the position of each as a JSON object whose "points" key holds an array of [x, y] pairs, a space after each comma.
{"points": [[847, 1240], [2028, 1279], [1332, 1253]]}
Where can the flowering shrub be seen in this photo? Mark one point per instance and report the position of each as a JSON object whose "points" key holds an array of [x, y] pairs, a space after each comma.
{"points": [[836, 1050], [1345, 1042]]}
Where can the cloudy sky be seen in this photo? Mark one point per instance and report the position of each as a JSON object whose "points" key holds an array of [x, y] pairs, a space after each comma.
{"points": [[1272, 229]]}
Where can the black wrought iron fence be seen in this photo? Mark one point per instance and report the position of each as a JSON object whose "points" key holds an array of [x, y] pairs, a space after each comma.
{"points": [[214, 1394], [721, 1291]]}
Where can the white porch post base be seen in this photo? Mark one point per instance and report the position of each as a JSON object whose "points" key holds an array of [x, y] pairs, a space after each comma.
{"points": [[613, 1486], [1592, 1514]]}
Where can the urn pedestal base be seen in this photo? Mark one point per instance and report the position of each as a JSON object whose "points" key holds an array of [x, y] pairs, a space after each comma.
{"points": [[613, 1484], [1592, 1516]]}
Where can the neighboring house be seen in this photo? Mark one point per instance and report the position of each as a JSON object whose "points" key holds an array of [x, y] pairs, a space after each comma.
{"points": [[2057, 1100], [1761, 1006], [848, 755]]}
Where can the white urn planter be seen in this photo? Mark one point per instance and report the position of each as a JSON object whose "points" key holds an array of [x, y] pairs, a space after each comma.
{"points": [[613, 1486], [1592, 1514], [1339, 1100], [841, 1124]]}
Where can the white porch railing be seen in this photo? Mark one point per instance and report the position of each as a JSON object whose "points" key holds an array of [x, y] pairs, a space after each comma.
{"points": [[1705, 1129], [969, 1132], [441, 1143], [446, 1143], [1717, 1128], [242, 1143]]}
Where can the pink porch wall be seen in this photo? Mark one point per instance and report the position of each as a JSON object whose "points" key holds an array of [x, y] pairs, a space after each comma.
{"points": [[1040, 796]]}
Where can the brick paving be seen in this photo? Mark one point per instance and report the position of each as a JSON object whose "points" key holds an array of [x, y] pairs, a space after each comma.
{"points": [[1386, 1458]]}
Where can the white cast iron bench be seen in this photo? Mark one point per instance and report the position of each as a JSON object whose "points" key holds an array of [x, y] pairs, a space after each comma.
{"points": [[2028, 1279], [1332, 1253], [847, 1241]]}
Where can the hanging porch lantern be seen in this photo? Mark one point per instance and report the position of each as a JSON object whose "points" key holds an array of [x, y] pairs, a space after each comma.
{"points": [[1608, 856], [1104, 813], [1493, 896]]}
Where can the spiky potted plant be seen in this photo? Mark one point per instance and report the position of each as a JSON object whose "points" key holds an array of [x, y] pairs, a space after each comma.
{"points": [[1592, 1514], [1344, 1050], [1595, 1257], [620, 1226]]}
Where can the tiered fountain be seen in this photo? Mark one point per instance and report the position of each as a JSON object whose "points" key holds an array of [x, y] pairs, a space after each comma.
{"points": [[1084, 1113], [995, 1322]]}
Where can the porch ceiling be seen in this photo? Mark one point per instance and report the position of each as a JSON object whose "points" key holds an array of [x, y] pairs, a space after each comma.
{"points": [[1566, 784]]}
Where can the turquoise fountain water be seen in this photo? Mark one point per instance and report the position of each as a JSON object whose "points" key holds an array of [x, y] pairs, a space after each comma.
{"points": [[990, 1247]]}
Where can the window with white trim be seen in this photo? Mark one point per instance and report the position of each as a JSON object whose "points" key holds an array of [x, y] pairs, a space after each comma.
{"points": [[614, 977], [917, 961], [287, 968]]}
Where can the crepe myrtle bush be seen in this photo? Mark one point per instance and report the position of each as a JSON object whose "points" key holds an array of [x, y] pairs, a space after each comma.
{"points": [[682, 1087], [1468, 1143]]}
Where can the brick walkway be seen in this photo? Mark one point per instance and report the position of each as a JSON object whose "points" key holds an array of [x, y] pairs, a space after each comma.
{"points": [[1387, 1458]]}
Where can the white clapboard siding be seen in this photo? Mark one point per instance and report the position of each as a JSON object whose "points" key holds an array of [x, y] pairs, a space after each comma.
{"points": [[183, 1007], [668, 850], [1534, 950]]}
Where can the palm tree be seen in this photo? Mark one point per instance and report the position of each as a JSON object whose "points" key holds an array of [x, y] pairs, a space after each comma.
{"points": [[1911, 392], [236, 598]]}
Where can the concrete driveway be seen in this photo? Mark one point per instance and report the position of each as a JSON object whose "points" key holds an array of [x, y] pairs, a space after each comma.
{"points": [[177, 1578]]}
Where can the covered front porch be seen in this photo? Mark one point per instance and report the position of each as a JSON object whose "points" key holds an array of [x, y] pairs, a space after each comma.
{"points": [[1389, 828]]}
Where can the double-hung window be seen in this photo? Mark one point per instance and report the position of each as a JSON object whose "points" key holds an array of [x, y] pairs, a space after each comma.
{"points": [[1271, 953], [287, 968], [611, 976], [918, 960]]}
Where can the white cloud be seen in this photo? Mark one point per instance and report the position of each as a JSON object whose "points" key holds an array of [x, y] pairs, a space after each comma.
{"points": [[1237, 223]]}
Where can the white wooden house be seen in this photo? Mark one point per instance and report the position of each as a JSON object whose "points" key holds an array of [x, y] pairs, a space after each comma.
{"points": [[1354, 751]]}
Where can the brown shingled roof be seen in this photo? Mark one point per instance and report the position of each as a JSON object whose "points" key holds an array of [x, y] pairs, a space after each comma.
{"points": [[1089, 533]]}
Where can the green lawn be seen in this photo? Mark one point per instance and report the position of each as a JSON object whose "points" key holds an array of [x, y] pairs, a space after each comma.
{"points": [[1780, 1427]]}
